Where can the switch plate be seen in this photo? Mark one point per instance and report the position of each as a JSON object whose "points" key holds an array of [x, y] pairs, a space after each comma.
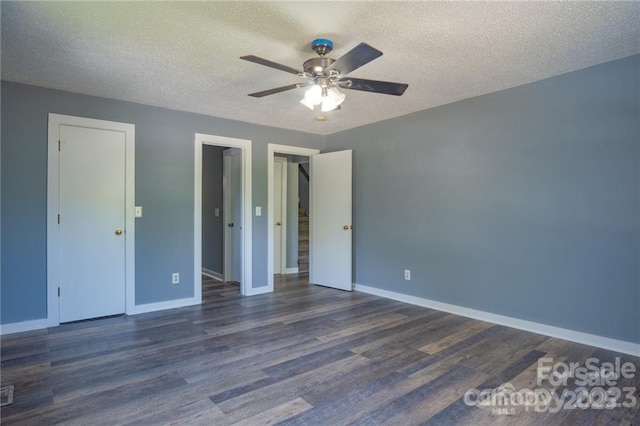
{"points": [[175, 278], [137, 212], [407, 274], [216, 212], [258, 211]]}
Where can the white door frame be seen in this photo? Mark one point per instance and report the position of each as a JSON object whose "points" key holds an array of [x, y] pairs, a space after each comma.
{"points": [[272, 149], [283, 214], [246, 285], [53, 192]]}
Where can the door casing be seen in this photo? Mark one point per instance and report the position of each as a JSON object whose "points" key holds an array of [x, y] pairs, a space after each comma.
{"points": [[246, 286], [53, 194], [272, 149]]}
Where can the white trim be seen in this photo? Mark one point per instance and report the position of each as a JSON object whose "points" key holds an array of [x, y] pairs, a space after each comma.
{"points": [[212, 274], [169, 304], [291, 270], [533, 327], [53, 191], [19, 327], [259, 290], [271, 151], [247, 217]]}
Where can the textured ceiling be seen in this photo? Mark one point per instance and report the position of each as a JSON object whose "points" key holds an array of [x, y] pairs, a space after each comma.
{"points": [[184, 55]]}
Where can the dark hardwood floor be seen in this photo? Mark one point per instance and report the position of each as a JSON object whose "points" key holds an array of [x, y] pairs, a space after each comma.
{"points": [[304, 355]]}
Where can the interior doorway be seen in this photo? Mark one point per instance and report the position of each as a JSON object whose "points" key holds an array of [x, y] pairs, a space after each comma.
{"points": [[291, 241], [290, 214], [239, 158]]}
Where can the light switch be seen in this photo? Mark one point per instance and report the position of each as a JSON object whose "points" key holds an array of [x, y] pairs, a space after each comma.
{"points": [[258, 211], [216, 212], [138, 211]]}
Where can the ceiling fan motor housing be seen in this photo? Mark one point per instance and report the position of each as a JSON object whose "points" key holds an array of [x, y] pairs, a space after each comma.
{"points": [[316, 66]]}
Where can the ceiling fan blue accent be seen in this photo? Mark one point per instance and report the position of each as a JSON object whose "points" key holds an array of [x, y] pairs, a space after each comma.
{"points": [[322, 42]]}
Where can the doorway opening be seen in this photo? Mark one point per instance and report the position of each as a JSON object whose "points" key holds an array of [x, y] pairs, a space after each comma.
{"points": [[288, 213], [230, 218]]}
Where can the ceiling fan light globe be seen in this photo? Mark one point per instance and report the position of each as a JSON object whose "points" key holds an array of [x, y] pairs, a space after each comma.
{"points": [[304, 101], [314, 94], [333, 100]]}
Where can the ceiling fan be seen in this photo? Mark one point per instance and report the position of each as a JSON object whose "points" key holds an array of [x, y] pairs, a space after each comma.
{"points": [[325, 75]]}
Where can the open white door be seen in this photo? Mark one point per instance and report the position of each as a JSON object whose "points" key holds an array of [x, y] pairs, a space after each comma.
{"points": [[279, 213], [233, 208], [330, 204]]}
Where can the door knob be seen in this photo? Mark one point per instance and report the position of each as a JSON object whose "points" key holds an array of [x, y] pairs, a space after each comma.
{"points": [[230, 225], [278, 223], [346, 227], [118, 231]]}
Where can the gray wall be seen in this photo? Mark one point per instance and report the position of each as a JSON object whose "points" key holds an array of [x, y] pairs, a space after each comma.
{"points": [[303, 187], [212, 226], [523, 202], [164, 187], [292, 215]]}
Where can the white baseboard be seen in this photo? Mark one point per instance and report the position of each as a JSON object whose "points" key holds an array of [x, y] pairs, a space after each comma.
{"points": [[211, 274], [159, 306], [291, 271], [534, 327], [19, 327], [259, 290]]}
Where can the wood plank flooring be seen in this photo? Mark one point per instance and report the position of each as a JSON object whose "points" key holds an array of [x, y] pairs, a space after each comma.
{"points": [[304, 355]]}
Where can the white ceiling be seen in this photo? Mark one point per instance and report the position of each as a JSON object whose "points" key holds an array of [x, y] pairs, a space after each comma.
{"points": [[185, 55]]}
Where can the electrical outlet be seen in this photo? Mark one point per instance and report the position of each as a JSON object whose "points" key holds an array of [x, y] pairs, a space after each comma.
{"points": [[407, 274], [175, 278]]}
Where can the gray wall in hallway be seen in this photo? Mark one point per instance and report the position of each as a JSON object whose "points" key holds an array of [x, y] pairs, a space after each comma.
{"points": [[523, 202], [303, 187], [164, 187], [292, 215], [212, 226]]}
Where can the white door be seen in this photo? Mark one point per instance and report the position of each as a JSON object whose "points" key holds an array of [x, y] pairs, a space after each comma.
{"points": [[92, 221], [279, 214], [330, 233], [232, 188]]}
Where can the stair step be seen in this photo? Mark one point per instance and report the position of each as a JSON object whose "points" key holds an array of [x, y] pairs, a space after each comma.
{"points": [[303, 240]]}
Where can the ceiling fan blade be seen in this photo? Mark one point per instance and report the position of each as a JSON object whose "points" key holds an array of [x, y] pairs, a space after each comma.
{"points": [[355, 58], [278, 90], [270, 64], [384, 87]]}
